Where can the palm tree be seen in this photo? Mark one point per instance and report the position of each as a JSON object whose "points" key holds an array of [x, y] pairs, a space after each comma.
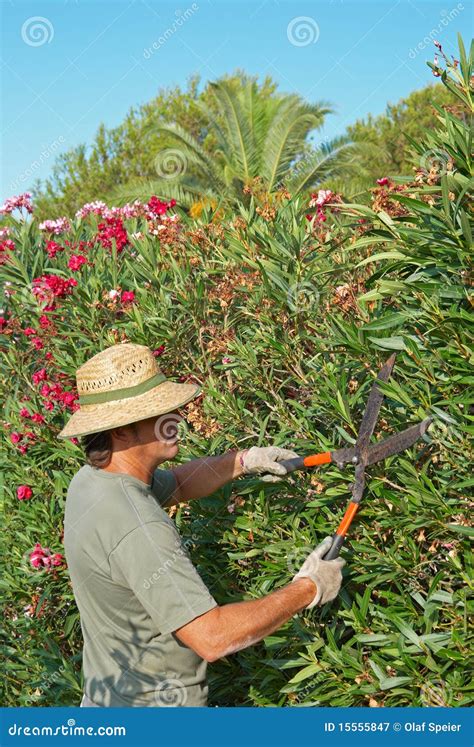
{"points": [[247, 136]]}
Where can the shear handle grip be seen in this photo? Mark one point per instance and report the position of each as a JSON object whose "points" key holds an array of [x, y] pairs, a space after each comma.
{"points": [[313, 460], [333, 552]]}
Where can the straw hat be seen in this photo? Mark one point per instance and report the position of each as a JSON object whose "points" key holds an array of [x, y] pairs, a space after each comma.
{"points": [[121, 385]]}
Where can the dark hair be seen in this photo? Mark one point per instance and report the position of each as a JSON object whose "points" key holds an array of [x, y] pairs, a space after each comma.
{"points": [[98, 448]]}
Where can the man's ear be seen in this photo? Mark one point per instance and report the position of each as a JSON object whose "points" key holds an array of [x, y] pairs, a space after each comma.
{"points": [[125, 434]]}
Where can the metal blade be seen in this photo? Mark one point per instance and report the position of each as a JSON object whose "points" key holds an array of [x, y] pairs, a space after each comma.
{"points": [[397, 442], [373, 405]]}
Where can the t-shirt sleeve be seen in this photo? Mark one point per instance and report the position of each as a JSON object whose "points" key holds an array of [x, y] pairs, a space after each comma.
{"points": [[163, 485], [153, 561]]}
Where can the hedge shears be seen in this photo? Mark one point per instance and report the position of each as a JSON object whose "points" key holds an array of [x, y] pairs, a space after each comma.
{"points": [[362, 455]]}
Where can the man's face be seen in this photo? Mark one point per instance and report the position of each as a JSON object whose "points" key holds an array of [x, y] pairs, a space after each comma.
{"points": [[159, 435]]}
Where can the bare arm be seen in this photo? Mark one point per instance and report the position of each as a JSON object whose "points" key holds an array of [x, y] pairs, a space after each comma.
{"points": [[201, 477], [232, 627]]}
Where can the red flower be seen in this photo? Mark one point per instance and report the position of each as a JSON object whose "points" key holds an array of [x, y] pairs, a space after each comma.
{"points": [[41, 557], [113, 228], [159, 351], [37, 342], [38, 418], [23, 448], [48, 406], [25, 413], [48, 356], [39, 376], [383, 181], [53, 248], [3, 323], [76, 261], [127, 297], [29, 331], [23, 492], [15, 437]]}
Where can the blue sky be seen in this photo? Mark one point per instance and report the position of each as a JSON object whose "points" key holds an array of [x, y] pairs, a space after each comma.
{"points": [[68, 65]]}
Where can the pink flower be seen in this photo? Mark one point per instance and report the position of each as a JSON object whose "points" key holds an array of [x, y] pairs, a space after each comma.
{"points": [[23, 492], [48, 406], [76, 261], [60, 225], [38, 418], [383, 181], [159, 351], [29, 331], [25, 413], [39, 376], [15, 437], [226, 359], [23, 448], [17, 202], [41, 557], [128, 297], [37, 342], [113, 294], [44, 321], [45, 390]]}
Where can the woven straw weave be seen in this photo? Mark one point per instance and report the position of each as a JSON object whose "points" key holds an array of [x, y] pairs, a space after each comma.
{"points": [[118, 367]]}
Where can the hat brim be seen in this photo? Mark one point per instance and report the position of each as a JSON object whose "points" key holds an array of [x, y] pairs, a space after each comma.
{"points": [[163, 398]]}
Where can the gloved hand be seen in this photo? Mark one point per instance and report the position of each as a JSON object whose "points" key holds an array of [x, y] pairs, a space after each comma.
{"points": [[326, 574], [257, 460]]}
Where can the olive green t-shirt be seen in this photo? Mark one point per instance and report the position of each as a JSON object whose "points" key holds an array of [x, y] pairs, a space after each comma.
{"points": [[134, 584]]}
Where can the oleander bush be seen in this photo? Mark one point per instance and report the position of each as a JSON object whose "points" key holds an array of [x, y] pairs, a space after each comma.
{"points": [[283, 311]]}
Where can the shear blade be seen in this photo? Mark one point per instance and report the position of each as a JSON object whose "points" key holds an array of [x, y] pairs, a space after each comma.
{"points": [[373, 405], [397, 442]]}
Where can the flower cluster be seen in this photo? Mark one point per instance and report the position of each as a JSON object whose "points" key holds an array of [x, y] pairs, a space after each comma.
{"points": [[7, 245], [23, 441], [54, 392], [319, 201], [17, 202], [112, 228], [42, 557], [52, 248], [76, 261], [49, 287], [60, 225]]}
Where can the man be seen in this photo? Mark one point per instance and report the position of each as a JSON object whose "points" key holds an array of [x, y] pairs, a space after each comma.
{"points": [[149, 623]]}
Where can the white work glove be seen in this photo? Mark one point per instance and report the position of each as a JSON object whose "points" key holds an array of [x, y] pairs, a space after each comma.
{"points": [[258, 460], [326, 574]]}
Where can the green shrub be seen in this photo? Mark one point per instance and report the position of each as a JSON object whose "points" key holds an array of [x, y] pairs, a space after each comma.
{"points": [[284, 321]]}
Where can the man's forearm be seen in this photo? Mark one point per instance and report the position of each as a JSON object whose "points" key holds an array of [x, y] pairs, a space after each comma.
{"points": [[243, 624], [201, 477]]}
